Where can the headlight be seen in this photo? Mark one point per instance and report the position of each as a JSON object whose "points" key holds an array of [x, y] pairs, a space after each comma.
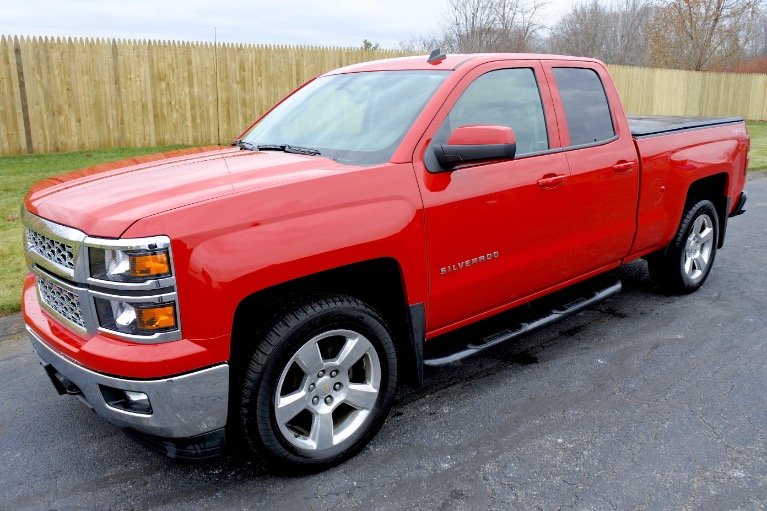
{"points": [[136, 318], [128, 265], [133, 286]]}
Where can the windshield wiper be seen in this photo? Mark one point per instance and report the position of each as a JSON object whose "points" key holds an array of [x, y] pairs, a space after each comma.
{"points": [[276, 147], [289, 149], [244, 145]]}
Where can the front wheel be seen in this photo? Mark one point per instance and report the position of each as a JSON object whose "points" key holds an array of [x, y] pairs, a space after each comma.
{"points": [[687, 261], [320, 384]]}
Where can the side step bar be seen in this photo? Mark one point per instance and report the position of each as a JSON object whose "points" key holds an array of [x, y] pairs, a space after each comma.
{"points": [[603, 287]]}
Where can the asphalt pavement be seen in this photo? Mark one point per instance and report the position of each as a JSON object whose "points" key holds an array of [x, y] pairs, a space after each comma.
{"points": [[646, 401]]}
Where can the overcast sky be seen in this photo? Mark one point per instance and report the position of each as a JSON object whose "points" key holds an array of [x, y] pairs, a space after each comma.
{"points": [[299, 22]]}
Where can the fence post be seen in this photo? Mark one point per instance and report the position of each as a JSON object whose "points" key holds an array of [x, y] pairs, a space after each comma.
{"points": [[23, 95]]}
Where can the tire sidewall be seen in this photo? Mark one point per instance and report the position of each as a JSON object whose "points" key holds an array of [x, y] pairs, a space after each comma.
{"points": [[346, 316], [700, 208]]}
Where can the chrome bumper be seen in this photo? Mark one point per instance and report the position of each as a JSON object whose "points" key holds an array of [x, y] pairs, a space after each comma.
{"points": [[182, 406]]}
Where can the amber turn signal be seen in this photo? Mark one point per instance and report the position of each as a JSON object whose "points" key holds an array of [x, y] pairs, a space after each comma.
{"points": [[156, 318], [149, 265]]}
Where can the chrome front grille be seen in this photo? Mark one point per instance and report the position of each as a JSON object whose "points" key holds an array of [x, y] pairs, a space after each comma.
{"points": [[59, 257], [55, 251], [63, 302]]}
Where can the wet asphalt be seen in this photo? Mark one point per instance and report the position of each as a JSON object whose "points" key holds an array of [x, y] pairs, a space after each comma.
{"points": [[646, 401]]}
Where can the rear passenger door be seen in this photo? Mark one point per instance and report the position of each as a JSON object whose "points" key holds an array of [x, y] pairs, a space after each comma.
{"points": [[604, 171]]}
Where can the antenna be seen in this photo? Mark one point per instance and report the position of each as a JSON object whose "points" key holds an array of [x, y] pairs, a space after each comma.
{"points": [[436, 57]]}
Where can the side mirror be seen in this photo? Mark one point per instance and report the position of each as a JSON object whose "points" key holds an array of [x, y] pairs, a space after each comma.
{"points": [[476, 143]]}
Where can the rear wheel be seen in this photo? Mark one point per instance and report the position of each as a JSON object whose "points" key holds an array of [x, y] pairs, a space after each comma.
{"points": [[320, 384], [687, 261]]}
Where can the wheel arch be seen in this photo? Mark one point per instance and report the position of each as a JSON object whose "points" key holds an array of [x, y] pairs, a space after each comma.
{"points": [[377, 282], [713, 188]]}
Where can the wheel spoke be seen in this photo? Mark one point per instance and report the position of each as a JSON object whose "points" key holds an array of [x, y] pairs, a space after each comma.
{"points": [[699, 223], [706, 235], [309, 358], [352, 351], [322, 430], [362, 397], [700, 262], [291, 405]]}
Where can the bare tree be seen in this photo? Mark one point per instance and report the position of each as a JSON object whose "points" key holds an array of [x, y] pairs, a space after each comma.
{"points": [[631, 32], [484, 26], [490, 25], [584, 31], [614, 33], [755, 37], [422, 44], [756, 44], [700, 34]]}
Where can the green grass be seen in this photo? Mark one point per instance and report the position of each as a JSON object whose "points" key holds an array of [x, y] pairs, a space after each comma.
{"points": [[758, 154], [17, 174]]}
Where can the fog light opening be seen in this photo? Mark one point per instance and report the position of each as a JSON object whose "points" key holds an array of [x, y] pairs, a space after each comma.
{"points": [[127, 400]]}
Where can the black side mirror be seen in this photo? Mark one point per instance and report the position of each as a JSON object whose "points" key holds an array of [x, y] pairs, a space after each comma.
{"points": [[476, 143]]}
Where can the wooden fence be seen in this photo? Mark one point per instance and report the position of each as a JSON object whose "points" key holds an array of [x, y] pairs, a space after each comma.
{"points": [[65, 95], [672, 92], [68, 95]]}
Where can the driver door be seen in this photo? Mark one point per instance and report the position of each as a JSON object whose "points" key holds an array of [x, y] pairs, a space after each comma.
{"points": [[496, 232]]}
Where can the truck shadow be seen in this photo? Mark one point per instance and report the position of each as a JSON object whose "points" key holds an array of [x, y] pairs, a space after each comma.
{"points": [[532, 348]]}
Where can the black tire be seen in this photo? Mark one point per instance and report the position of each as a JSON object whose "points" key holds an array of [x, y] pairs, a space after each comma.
{"points": [[685, 264], [331, 363]]}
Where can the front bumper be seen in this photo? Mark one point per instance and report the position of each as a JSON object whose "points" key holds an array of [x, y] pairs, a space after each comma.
{"points": [[187, 405]]}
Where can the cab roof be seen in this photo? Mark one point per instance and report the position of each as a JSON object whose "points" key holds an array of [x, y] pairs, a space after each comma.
{"points": [[449, 63]]}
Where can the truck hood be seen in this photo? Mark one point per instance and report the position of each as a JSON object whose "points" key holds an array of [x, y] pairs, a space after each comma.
{"points": [[106, 199]]}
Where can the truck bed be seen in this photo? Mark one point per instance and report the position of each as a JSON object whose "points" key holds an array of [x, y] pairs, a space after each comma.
{"points": [[643, 126]]}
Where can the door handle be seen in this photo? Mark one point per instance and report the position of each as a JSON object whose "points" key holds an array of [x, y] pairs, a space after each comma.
{"points": [[623, 166], [550, 181]]}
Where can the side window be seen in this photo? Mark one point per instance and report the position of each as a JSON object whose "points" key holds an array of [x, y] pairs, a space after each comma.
{"points": [[507, 97], [586, 108]]}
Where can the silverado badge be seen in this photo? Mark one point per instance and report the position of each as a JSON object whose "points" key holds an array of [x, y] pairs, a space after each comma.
{"points": [[468, 262]]}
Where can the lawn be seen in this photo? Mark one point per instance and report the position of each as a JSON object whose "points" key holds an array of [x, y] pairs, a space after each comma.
{"points": [[17, 174], [20, 172], [758, 154]]}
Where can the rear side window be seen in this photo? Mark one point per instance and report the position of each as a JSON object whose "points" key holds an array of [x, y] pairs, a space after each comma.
{"points": [[586, 108]]}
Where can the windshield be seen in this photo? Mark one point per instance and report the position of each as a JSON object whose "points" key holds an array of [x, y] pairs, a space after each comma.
{"points": [[357, 118]]}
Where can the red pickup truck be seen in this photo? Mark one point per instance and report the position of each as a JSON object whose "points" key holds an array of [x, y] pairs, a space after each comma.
{"points": [[275, 293]]}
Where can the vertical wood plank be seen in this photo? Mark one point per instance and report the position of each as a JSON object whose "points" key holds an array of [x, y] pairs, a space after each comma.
{"points": [[12, 127], [22, 80]]}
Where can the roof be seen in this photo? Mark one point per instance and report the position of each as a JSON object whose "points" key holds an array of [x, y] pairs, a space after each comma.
{"points": [[450, 62]]}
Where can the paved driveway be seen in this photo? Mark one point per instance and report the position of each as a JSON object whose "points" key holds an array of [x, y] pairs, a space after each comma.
{"points": [[645, 402]]}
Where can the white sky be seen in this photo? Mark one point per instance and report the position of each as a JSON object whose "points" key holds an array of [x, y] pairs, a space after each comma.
{"points": [[298, 22]]}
